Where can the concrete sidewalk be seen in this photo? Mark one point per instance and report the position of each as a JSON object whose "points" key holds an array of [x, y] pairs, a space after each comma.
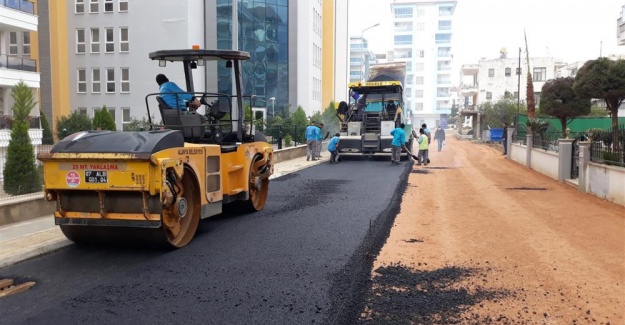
{"points": [[28, 239]]}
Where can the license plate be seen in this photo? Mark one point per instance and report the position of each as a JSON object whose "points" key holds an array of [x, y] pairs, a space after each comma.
{"points": [[96, 176]]}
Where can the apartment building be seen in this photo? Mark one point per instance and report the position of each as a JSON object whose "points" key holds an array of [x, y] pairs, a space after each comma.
{"points": [[360, 59], [493, 79], [109, 42], [18, 62], [620, 28], [422, 38]]}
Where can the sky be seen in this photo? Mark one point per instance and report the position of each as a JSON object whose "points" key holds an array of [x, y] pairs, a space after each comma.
{"points": [[570, 30]]}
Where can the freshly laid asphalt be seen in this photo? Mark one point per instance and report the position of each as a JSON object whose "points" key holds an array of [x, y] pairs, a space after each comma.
{"points": [[306, 258]]}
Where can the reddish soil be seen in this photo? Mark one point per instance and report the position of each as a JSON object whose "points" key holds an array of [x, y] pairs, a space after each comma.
{"points": [[490, 241]]}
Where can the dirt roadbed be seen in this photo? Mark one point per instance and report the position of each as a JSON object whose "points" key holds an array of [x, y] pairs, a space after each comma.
{"points": [[481, 239]]}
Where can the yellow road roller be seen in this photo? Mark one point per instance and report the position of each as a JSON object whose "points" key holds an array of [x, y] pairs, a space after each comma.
{"points": [[155, 186]]}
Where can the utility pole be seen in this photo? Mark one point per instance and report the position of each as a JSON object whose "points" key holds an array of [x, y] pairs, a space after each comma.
{"points": [[518, 93]]}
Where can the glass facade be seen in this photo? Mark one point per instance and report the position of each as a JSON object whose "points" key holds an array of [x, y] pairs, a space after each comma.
{"points": [[263, 32]]}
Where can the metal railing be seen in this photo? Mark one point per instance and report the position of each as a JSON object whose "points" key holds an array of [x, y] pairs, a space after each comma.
{"points": [[277, 135], [6, 122], [22, 190], [547, 141], [21, 5], [18, 63], [608, 146]]}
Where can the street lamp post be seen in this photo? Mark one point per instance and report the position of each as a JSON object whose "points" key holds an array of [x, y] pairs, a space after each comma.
{"points": [[273, 106], [362, 50]]}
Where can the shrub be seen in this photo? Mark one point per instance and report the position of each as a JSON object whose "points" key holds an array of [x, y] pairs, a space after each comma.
{"points": [[136, 124], [47, 133], [287, 140], [104, 120], [20, 171], [73, 123]]}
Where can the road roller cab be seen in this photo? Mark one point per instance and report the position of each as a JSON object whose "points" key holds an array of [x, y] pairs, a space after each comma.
{"points": [[154, 186]]}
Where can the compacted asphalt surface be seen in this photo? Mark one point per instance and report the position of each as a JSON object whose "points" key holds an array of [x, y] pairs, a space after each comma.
{"points": [[306, 258]]}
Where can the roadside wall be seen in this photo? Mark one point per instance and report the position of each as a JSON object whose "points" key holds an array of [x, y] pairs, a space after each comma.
{"points": [[604, 181], [607, 182], [545, 162]]}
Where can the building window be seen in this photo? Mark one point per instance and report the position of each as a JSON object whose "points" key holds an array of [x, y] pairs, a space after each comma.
{"points": [[124, 45], [82, 81], [419, 80], [403, 39], [408, 92], [420, 53], [491, 73], [110, 80], [442, 38], [93, 6], [125, 80], [95, 40], [82, 110], [13, 43], [444, 52], [489, 95], [420, 27], [420, 12], [540, 74], [123, 5], [126, 119], [108, 5], [80, 6], [444, 25], [112, 112], [109, 40], [420, 67], [26, 43], [445, 11], [96, 85], [418, 106], [403, 12], [80, 41], [508, 72], [418, 93]]}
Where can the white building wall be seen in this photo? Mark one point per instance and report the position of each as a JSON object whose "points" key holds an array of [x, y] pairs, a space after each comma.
{"points": [[492, 88], [309, 56], [620, 28], [167, 25], [12, 20], [341, 57], [428, 84]]}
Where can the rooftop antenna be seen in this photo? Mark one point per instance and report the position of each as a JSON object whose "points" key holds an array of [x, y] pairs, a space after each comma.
{"points": [[600, 48]]}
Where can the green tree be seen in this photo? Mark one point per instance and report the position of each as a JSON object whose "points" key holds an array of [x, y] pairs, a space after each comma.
{"points": [[605, 79], [597, 111], [297, 124], [73, 123], [531, 100], [329, 118], [47, 133], [496, 114], [559, 100], [136, 124], [104, 120], [20, 171]]}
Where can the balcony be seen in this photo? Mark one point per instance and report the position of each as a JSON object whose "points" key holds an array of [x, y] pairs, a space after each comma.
{"points": [[620, 23], [17, 16], [6, 122], [19, 5], [18, 63]]}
